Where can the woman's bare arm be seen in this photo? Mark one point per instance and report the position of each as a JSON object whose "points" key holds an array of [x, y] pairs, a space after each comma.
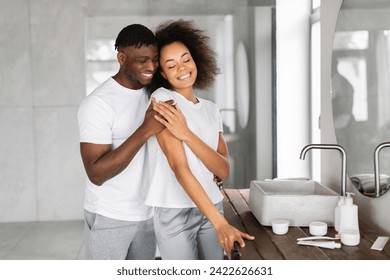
{"points": [[216, 161]]}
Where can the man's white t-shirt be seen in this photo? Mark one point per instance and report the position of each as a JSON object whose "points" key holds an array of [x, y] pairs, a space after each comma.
{"points": [[109, 115], [204, 120]]}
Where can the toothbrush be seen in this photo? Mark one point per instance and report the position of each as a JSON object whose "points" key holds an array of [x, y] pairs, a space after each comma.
{"points": [[323, 244], [317, 238]]}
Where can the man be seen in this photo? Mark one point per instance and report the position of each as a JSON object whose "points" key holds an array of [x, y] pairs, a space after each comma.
{"points": [[114, 123]]}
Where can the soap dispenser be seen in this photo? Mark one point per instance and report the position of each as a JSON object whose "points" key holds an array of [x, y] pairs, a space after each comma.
{"points": [[349, 223], [337, 213]]}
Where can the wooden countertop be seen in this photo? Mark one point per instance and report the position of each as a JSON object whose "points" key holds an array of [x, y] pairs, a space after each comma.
{"points": [[269, 246]]}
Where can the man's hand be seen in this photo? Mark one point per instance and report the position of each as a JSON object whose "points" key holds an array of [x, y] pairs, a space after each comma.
{"points": [[151, 124]]}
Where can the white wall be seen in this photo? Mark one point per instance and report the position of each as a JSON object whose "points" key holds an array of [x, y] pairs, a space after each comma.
{"points": [[292, 29]]}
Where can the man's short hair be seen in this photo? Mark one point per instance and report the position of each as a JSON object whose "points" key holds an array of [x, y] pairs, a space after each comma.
{"points": [[135, 35]]}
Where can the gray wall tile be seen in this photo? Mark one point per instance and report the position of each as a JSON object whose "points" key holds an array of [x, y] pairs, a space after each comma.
{"points": [[15, 70], [17, 168], [57, 39], [60, 174]]}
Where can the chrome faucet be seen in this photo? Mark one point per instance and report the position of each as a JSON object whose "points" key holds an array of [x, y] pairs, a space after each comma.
{"points": [[343, 157], [376, 166]]}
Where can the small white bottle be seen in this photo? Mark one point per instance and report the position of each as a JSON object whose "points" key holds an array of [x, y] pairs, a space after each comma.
{"points": [[349, 222], [337, 213]]}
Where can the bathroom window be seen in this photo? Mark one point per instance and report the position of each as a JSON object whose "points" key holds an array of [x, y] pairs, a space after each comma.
{"points": [[351, 40], [101, 62], [315, 4]]}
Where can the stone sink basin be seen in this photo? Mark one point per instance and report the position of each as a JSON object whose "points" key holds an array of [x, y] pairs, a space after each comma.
{"points": [[299, 201]]}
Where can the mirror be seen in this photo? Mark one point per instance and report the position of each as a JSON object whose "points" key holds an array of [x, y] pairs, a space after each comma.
{"points": [[360, 85]]}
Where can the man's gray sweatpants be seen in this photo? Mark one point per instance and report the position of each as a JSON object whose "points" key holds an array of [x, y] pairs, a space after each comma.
{"points": [[110, 239]]}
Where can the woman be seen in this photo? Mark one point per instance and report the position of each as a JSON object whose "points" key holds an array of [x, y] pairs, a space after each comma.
{"points": [[189, 221]]}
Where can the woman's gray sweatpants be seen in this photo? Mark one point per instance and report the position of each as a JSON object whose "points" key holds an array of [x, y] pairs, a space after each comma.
{"points": [[110, 239], [186, 234]]}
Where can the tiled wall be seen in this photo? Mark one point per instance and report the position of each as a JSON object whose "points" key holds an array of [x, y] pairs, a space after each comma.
{"points": [[42, 81]]}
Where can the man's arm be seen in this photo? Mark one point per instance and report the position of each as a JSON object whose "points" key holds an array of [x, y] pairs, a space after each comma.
{"points": [[101, 163]]}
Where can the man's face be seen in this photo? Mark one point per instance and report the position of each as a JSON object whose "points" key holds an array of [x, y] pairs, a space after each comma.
{"points": [[138, 64]]}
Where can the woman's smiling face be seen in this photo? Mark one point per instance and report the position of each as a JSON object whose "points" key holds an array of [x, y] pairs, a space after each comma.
{"points": [[177, 66]]}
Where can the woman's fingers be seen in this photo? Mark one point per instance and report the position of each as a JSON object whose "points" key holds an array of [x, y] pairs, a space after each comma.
{"points": [[241, 241], [169, 108], [247, 236], [229, 235], [161, 120], [168, 114]]}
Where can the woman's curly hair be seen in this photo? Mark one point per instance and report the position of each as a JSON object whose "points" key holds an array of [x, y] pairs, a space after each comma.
{"points": [[197, 42]]}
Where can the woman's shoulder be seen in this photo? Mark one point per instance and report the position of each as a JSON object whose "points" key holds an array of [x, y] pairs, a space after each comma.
{"points": [[209, 103], [162, 94]]}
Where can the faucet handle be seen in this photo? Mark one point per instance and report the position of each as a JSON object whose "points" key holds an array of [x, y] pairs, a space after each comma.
{"points": [[349, 194]]}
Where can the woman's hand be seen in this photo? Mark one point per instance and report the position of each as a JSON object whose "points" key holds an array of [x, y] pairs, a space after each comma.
{"points": [[172, 118], [228, 234]]}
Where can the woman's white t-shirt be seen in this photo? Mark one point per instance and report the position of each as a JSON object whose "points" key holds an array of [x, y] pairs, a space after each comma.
{"points": [[204, 120]]}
